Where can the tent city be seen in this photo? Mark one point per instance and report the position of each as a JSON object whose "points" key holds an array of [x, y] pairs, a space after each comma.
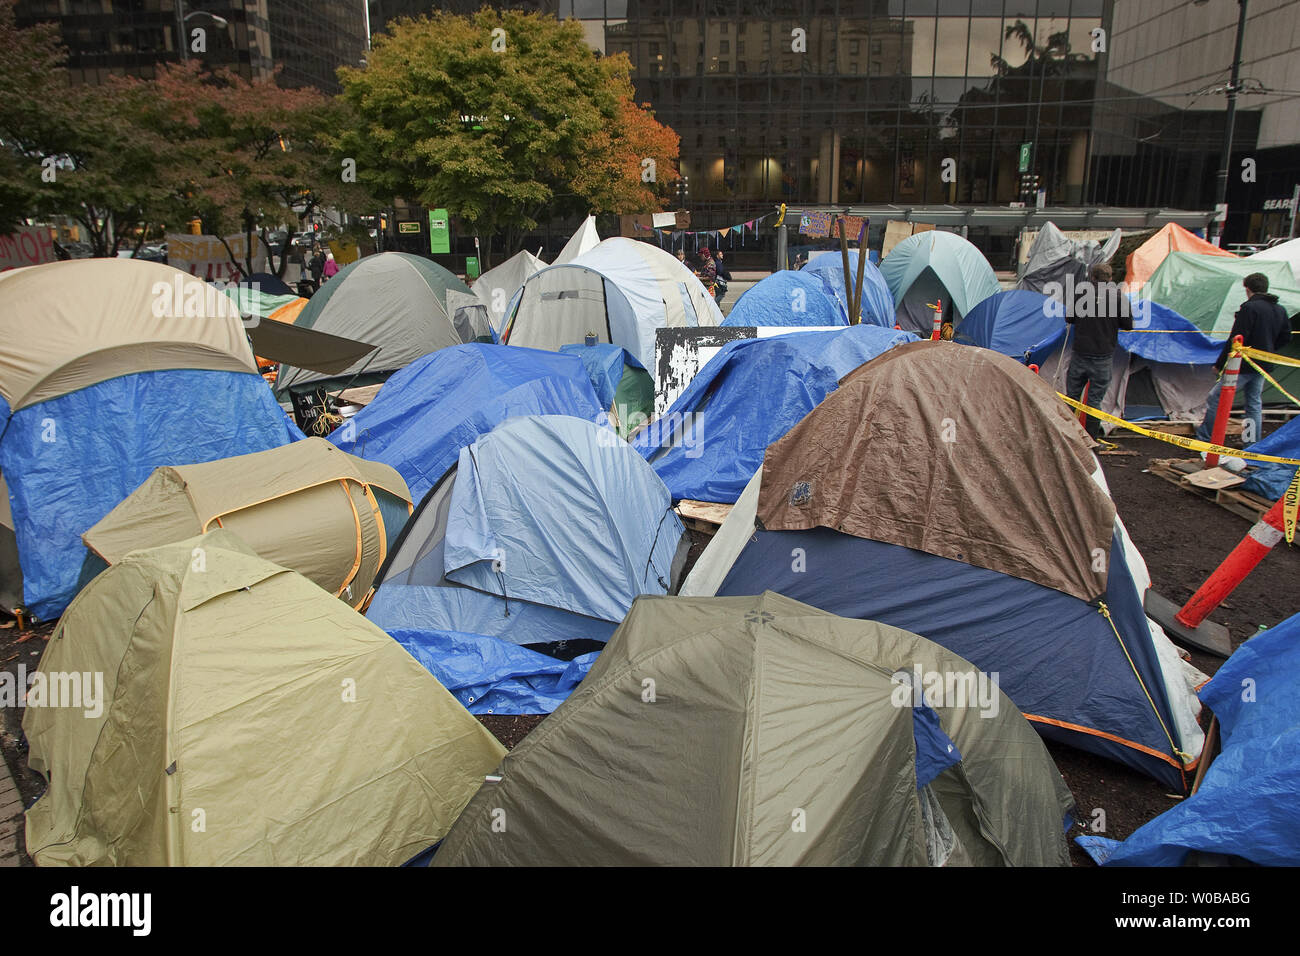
{"points": [[666, 433]]}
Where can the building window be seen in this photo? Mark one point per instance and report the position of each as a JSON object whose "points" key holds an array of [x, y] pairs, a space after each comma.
{"points": [[724, 66], [875, 47], [740, 46], [724, 46], [853, 47]]}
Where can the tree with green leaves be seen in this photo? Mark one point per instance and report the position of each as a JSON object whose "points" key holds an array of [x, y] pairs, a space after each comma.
{"points": [[503, 118]]}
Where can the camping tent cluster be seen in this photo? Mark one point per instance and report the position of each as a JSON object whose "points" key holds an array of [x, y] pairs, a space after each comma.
{"points": [[499, 532]]}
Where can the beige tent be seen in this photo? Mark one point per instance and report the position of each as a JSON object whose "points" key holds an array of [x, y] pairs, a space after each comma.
{"points": [[761, 731], [307, 506], [72, 324], [244, 718]]}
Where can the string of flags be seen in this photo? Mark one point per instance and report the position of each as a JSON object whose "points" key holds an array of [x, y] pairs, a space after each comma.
{"points": [[676, 238]]}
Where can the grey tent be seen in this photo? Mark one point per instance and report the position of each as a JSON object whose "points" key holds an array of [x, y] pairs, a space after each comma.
{"points": [[1054, 255], [761, 731]]}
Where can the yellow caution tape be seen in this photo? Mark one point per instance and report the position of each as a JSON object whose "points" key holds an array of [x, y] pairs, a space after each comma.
{"points": [[1290, 508], [1247, 352], [1269, 378], [1191, 444]]}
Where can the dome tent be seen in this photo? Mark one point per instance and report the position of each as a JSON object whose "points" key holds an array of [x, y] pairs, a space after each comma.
{"points": [[1207, 290], [238, 690], [877, 301], [621, 291], [426, 413], [1143, 261], [897, 489], [932, 267], [545, 531], [394, 300], [306, 506], [1011, 322], [496, 287], [787, 298], [766, 707], [114, 367]]}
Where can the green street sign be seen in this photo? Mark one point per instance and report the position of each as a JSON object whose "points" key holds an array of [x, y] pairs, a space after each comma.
{"points": [[1026, 150], [439, 233], [471, 267], [408, 228]]}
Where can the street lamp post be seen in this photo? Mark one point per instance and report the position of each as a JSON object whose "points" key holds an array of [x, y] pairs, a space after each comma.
{"points": [[182, 41], [1226, 159]]}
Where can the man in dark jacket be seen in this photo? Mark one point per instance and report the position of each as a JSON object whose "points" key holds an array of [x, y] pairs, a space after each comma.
{"points": [[1264, 325], [1097, 311]]}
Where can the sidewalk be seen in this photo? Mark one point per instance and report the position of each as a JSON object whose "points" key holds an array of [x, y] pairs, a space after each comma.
{"points": [[11, 818]]}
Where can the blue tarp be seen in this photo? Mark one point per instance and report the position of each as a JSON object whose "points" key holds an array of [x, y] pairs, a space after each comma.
{"points": [[1248, 804], [605, 364], [788, 298], [70, 460], [1183, 343], [554, 526], [747, 396], [1011, 322], [427, 412], [1269, 480], [1055, 656], [877, 302]]}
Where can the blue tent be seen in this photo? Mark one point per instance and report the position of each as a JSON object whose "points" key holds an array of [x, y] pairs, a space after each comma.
{"points": [[1011, 322], [749, 395], [543, 534], [621, 382], [1248, 804], [877, 303], [1159, 335], [426, 413], [787, 298], [1271, 480]]}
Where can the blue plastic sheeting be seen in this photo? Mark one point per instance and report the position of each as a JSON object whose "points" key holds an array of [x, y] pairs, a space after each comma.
{"points": [[70, 460], [604, 364], [935, 751], [1011, 322], [1271, 480], [788, 298], [440, 403], [1055, 656], [877, 302], [560, 512], [1184, 343], [747, 396], [1248, 804]]}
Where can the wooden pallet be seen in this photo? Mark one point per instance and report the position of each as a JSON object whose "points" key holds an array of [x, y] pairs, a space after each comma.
{"points": [[1183, 429], [1244, 503], [702, 516]]}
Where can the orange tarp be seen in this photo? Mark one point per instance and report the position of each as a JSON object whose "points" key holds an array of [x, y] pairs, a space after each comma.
{"points": [[1146, 258]]}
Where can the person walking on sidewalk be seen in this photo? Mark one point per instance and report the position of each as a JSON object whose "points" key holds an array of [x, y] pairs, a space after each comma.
{"points": [[1264, 325], [1097, 312]]}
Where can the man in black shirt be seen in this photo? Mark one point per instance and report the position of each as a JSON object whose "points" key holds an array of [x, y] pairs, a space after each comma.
{"points": [[1264, 325], [1097, 311]]}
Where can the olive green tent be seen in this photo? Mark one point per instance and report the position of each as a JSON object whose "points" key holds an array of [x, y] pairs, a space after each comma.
{"points": [[244, 718], [1207, 290], [762, 731], [308, 506]]}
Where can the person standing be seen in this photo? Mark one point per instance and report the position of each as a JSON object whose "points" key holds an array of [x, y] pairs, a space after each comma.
{"points": [[316, 265], [724, 275], [708, 271], [331, 268], [1097, 312], [1264, 325]]}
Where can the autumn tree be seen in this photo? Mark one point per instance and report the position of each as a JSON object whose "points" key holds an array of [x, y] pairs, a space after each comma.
{"points": [[503, 118]]}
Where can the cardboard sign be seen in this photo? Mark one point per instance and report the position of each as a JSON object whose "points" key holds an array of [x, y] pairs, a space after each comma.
{"points": [[816, 224], [28, 246], [206, 257]]}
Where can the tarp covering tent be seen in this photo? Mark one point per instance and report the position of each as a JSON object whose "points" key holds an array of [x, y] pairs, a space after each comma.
{"points": [[936, 267], [426, 413], [1288, 252], [623, 386], [768, 707], [1143, 261], [711, 440], [114, 367], [225, 691], [394, 300], [1164, 368], [1054, 256], [11, 572], [580, 243], [496, 287], [1207, 290], [787, 298], [1248, 804], [621, 292], [877, 300], [545, 532], [1011, 322], [306, 506], [894, 497], [1271, 480]]}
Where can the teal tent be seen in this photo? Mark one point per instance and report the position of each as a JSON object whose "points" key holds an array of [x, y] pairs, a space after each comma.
{"points": [[936, 267]]}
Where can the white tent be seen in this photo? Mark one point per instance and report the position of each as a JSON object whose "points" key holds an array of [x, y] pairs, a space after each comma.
{"points": [[580, 243], [1288, 252], [496, 287], [621, 291]]}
